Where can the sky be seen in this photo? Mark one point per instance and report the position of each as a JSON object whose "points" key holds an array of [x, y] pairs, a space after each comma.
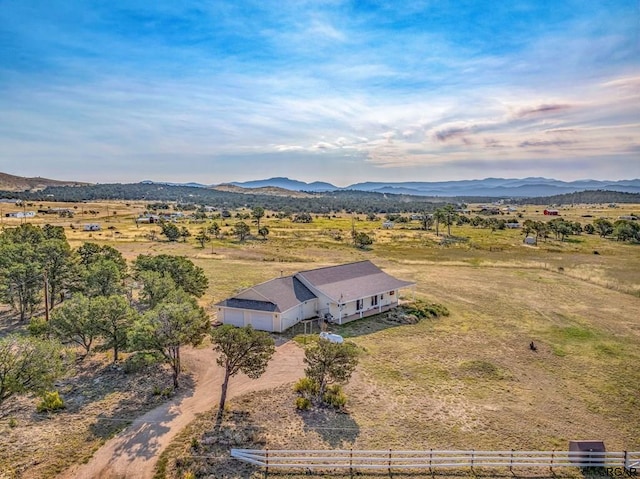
{"points": [[339, 91]]}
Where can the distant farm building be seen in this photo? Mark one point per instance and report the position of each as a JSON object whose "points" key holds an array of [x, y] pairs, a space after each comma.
{"points": [[530, 240], [512, 226], [148, 219], [387, 225], [551, 212], [628, 217], [20, 214], [92, 227], [337, 293]]}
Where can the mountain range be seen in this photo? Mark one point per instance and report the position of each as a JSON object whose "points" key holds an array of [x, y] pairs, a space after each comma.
{"points": [[488, 187]]}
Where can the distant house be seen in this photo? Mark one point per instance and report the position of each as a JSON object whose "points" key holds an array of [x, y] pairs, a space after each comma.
{"points": [[20, 214], [530, 240], [337, 293], [628, 217], [551, 212], [387, 225], [148, 219], [92, 227], [512, 226]]}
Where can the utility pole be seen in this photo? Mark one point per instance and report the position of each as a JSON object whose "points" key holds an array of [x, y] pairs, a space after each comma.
{"points": [[46, 296]]}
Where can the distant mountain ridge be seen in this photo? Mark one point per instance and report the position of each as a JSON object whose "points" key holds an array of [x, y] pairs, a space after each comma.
{"points": [[490, 187], [20, 183], [287, 184], [530, 187]]}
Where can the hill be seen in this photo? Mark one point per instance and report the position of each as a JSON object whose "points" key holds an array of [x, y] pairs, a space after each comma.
{"points": [[286, 183], [582, 197], [19, 183], [263, 190]]}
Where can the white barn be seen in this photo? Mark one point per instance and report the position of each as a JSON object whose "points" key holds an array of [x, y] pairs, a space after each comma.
{"points": [[337, 293]]}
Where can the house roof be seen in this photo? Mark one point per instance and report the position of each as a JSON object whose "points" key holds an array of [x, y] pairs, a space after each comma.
{"points": [[249, 304], [280, 294], [348, 282], [342, 283]]}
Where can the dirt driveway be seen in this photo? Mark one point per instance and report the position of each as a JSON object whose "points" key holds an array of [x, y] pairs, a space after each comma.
{"points": [[132, 454]]}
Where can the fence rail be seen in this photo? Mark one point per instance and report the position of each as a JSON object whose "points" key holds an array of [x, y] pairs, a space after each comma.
{"points": [[432, 459]]}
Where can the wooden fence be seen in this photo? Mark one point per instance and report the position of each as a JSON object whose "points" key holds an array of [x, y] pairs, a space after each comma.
{"points": [[629, 462]]}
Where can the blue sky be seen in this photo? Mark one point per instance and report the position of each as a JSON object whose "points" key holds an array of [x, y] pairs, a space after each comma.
{"points": [[216, 91]]}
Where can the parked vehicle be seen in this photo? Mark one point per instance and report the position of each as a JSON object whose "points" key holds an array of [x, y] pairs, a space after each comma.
{"points": [[334, 338]]}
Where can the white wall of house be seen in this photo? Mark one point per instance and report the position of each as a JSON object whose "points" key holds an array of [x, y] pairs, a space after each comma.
{"points": [[296, 314], [365, 305], [262, 320]]}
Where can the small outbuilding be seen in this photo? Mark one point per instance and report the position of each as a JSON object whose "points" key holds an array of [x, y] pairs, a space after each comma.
{"points": [[587, 452], [530, 240], [551, 213], [92, 227]]}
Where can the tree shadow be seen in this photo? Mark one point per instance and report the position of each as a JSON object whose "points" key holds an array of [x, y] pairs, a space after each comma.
{"points": [[336, 428], [162, 405], [209, 453]]}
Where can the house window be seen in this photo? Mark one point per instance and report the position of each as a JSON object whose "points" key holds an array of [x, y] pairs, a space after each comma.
{"points": [[374, 300], [359, 304]]}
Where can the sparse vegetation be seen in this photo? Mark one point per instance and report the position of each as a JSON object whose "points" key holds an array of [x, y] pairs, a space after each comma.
{"points": [[467, 380]]}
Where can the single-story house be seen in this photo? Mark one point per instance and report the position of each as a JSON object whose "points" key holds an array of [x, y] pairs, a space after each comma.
{"points": [[338, 294], [92, 227]]}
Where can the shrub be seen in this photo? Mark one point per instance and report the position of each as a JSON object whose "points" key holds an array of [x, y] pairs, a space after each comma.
{"points": [[38, 327], [51, 401], [423, 310], [139, 361], [306, 387], [302, 403], [334, 397], [13, 422]]}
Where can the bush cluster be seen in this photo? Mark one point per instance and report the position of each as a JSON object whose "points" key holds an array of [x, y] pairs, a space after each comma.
{"points": [[51, 401]]}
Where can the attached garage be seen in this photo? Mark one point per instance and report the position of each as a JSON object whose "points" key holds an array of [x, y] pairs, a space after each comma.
{"points": [[260, 321], [232, 316]]}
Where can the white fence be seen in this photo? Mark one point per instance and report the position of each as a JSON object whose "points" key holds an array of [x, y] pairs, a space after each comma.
{"points": [[433, 459]]}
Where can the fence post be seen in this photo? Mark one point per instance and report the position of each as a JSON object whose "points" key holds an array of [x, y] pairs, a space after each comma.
{"points": [[626, 461], [351, 462], [430, 458], [551, 465], [266, 461], [389, 461], [511, 462], [473, 453]]}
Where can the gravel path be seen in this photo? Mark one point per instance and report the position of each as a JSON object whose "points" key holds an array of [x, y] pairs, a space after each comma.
{"points": [[133, 453]]}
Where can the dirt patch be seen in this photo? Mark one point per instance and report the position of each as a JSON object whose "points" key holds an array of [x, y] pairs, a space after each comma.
{"points": [[100, 400]]}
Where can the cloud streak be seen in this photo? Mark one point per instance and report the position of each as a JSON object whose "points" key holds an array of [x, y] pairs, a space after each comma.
{"points": [[225, 90]]}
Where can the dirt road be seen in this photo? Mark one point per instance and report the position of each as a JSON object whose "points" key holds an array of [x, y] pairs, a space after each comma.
{"points": [[132, 454]]}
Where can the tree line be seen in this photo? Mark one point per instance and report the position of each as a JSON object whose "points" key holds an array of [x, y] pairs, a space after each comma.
{"points": [[317, 203], [92, 299]]}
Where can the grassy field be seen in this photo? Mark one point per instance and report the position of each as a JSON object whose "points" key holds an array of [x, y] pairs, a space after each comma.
{"points": [[464, 381]]}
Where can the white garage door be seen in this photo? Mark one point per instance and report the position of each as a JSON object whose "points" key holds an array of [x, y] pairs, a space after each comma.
{"points": [[261, 321], [234, 317]]}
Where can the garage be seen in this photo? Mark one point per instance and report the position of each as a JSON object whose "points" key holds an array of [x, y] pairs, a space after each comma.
{"points": [[261, 321], [233, 316]]}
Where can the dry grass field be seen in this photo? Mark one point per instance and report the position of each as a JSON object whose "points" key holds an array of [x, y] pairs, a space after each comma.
{"points": [[464, 381]]}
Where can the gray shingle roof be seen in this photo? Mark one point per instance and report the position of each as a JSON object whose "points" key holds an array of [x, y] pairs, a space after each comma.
{"points": [[342, 283], [348, 282], [281, 293], [248, 304]]}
